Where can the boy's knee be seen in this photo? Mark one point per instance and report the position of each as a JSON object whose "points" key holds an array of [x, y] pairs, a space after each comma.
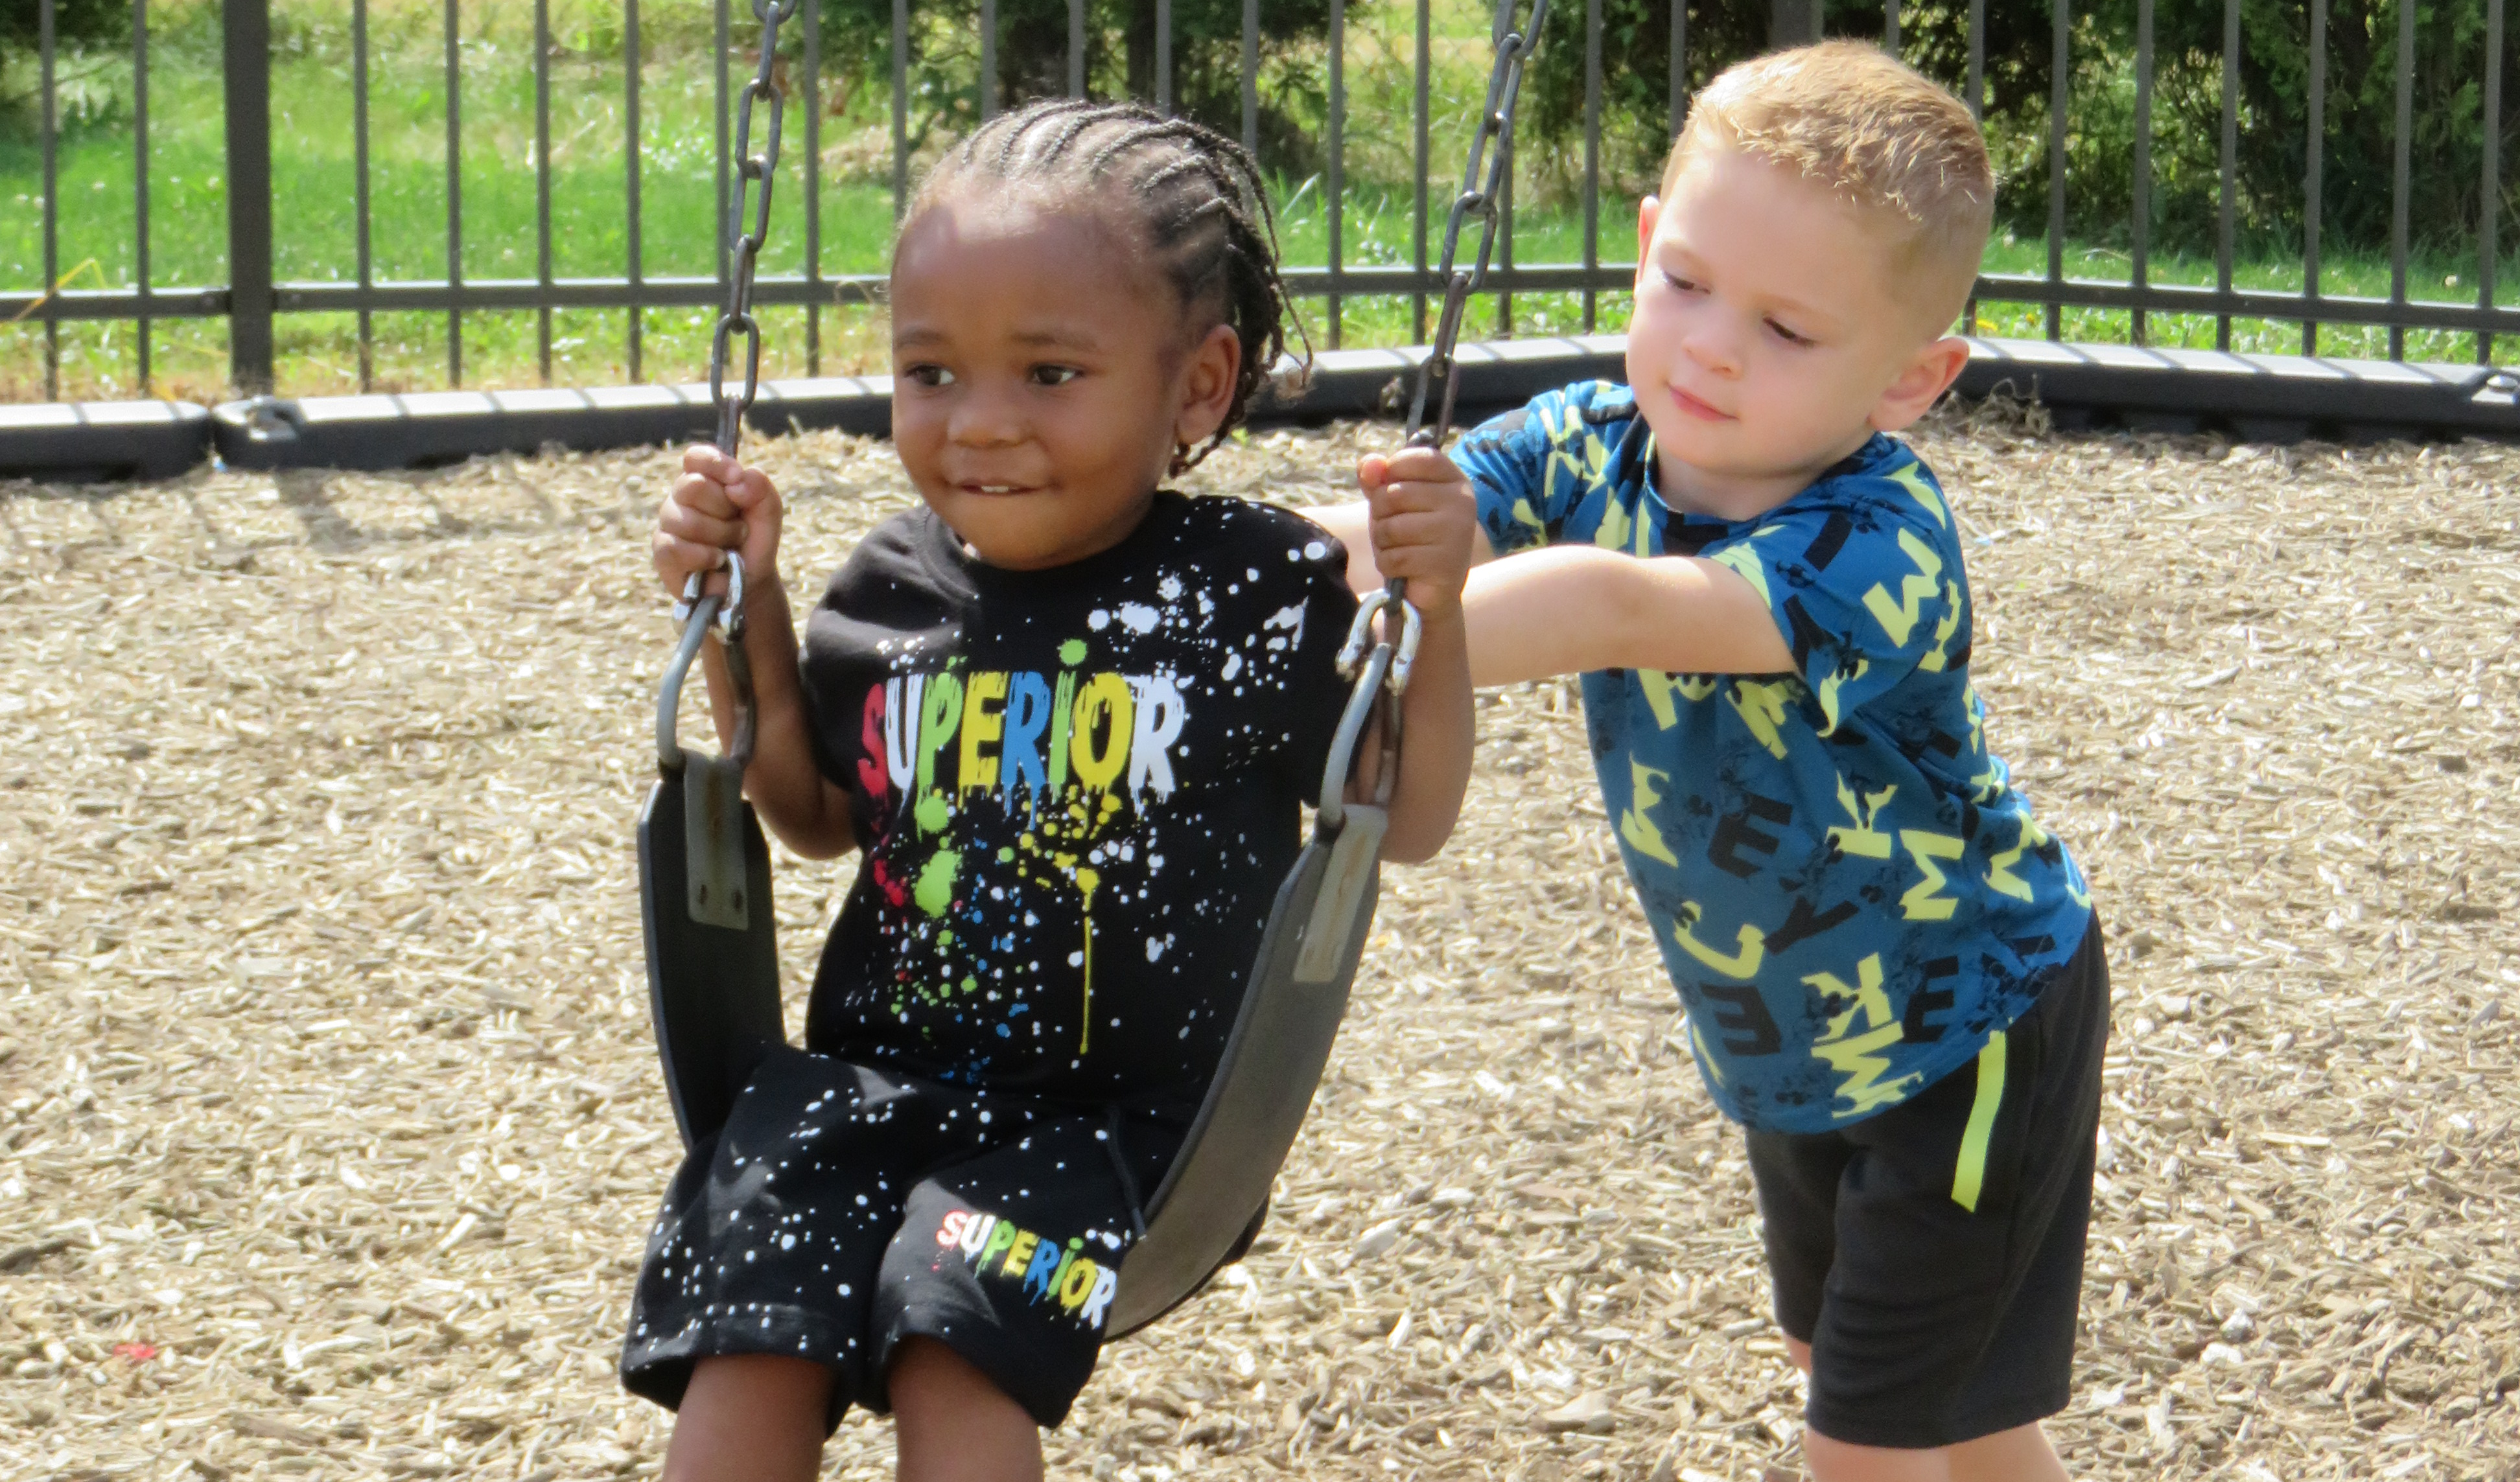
{"points": [[1800, 1352]]}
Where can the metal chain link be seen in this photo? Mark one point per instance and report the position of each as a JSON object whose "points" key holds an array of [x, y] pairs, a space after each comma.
{"points": [[744, 255], [1375, 655], [1478, 199], [744, 250]]}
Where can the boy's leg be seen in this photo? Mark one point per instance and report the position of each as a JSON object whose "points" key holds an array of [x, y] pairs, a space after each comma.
{"points": [[1952, 1260], [952, 1426], [750, 1418]]}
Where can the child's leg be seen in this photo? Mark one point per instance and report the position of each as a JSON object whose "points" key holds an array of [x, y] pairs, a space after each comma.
{"points": [[1937, 1270], [750, 1418], [2019, 1454], [952, 1426]]}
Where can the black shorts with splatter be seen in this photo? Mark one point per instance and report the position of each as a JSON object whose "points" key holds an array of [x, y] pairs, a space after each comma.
{"points": [[844, 1209]]}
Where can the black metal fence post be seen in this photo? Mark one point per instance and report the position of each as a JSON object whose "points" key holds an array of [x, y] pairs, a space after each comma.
{"points": [[1794, 22], [248, 36]]}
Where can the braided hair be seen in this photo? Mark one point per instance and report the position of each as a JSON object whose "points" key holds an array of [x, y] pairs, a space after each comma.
{"points": [[1197, 204]]}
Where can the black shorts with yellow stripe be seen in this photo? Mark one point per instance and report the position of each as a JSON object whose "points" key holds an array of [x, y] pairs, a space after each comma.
{"points": [[1932, 1255]]}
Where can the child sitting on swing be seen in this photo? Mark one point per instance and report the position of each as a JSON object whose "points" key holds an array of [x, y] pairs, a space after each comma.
{"points": [[1069, 715]]}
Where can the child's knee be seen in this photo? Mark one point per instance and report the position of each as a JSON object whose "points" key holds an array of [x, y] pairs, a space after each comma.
{"points": [[1800, 1352]]}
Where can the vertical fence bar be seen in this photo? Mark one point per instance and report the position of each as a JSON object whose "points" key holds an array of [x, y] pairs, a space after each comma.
{"points": [[1076, 48], [1163, 56], [2140, 220], [248, 64], [1591, 157], [814, 291], [2489, 197], [140, 178], [988, 60], [638, 311], [1418, 254], [1676, 106], [1251, 76], [726, 225], [2401, 168], [2060, 19], [1977, 110], [362, 206], [1338, 195], [542, 186], [454, 195], [51, 126], [1890, 27], [1977, 60], [900, 108], [2224, 224], [2309, 196]]}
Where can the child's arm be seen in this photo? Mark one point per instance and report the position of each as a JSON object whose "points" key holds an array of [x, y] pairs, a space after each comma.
{"points": [[1424, 528], [719, 506], [1568, 610], [1352, 523]]}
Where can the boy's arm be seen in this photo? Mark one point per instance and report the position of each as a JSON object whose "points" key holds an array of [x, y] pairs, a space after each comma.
{"points": [[719, 506], [1569, 609], [1422, 523]]}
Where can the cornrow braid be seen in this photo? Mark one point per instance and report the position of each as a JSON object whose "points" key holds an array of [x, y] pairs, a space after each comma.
{"points": [[1199, 204]]}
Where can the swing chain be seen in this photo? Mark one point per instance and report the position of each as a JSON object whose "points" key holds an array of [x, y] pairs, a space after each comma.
{"points": [[744, 247], [1479, 199]]}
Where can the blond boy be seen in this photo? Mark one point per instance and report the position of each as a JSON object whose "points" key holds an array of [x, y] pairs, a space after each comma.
{"points": [[1892, 972]]}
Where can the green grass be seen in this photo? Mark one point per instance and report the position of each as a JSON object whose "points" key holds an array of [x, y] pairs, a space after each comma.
{"points": [[315, 221]]}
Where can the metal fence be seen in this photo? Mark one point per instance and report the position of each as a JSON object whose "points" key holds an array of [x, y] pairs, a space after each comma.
{"points": [[250, 301]]}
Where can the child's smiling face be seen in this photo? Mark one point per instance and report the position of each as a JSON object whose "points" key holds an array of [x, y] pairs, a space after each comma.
{"points": [[1769, 341], [1043, 376]]}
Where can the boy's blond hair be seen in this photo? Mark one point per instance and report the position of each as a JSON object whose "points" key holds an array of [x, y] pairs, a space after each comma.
{"points": [[1874, 132]]}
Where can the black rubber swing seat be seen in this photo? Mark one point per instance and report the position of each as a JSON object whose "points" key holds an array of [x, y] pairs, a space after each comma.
{"points": [[713, 985]]}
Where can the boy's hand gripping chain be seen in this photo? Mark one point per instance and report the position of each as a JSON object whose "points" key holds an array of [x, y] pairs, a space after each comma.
{"points": [[1374, 663]]}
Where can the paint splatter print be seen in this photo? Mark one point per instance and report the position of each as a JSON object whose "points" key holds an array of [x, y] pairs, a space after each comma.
{"points": [[1078, 790]]}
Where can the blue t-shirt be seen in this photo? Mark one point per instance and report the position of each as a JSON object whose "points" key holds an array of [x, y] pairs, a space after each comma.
{"points": [[1849, 893]]}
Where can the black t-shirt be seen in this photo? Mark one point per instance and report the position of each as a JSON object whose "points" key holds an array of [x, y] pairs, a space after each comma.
{"points": [[1077, 789]]}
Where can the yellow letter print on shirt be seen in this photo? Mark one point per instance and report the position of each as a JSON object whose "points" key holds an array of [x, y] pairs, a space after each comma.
{"points": [[1741, 964], [1762, 707], [1862, 838], [1853, 1056], [1634, 826], [1899, 618], [1924, 900], [1999, 870], [1659, 688]]}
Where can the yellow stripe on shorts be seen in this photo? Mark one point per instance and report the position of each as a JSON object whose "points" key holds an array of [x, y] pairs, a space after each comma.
{"points": [[1970, 1177]]}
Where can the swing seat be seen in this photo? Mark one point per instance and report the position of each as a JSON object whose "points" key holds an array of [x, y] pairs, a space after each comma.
{"points": [[712, 962], [1209, 1210]]}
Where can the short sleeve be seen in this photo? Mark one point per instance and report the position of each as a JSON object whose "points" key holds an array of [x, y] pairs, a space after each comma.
{"points": [[1528, 466], [1865, 584]]}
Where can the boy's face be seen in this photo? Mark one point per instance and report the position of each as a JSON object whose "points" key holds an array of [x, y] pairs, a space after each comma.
{"points": [[1040, 385], [1767, 342]]}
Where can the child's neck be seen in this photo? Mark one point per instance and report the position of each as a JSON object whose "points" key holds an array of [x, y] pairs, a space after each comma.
{"points": [[1738, 496]]}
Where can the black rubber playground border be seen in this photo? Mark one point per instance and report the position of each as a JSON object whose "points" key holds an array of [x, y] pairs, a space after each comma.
{"points": [[2260, 398]]}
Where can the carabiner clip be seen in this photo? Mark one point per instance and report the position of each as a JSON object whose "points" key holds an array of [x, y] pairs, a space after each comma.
{"points": [[730, 612], [1361, 637]]}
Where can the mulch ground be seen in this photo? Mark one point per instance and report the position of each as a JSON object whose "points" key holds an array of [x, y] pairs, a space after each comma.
{"points": [[330, 1126]]}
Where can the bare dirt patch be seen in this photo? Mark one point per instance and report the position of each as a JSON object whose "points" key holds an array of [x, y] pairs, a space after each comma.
{"points": [[330, 1127]]}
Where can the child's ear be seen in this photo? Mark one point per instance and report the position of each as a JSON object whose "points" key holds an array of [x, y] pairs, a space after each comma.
{"points": [[1921, 383], [1209, 380], [1648, 212]]}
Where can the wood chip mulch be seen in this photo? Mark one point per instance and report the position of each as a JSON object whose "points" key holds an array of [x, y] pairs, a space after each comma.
{"points": [[330, 1125]]}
